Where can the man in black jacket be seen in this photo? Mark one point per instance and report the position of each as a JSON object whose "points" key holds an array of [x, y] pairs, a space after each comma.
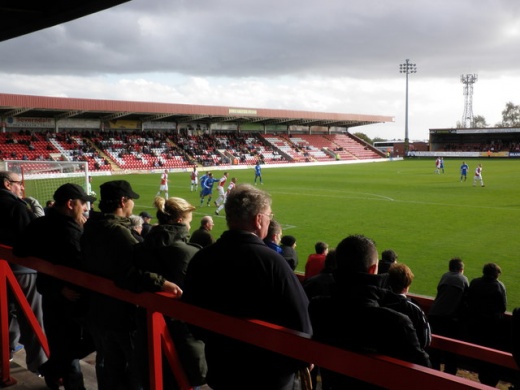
{"points": [[56, 238], [448, 311], [16, 212], [202, 236], [240, 276], [487, 304], [107, 250], [351, 317], [147, 226], [400, 278]]}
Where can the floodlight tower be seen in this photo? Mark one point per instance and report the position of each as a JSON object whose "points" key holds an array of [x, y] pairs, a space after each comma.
{"points": [[468, 80], [407, 68]]}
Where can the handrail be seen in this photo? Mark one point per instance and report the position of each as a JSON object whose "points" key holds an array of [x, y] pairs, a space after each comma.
{"points": [[391, 373], [462, 348], [7, 278], [498, 357]]}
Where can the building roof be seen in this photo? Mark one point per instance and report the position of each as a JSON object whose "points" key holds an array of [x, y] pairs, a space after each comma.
{"points": [[24, 17], [20, 18], [28, 106]]}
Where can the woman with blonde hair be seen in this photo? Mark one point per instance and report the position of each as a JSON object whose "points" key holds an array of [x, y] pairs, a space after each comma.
{"points": [[174, 210], [166, 251]]}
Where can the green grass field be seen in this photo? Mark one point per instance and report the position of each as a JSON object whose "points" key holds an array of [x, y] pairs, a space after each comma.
{"points": [[426, 218]]}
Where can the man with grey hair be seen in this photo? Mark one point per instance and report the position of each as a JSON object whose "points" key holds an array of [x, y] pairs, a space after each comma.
{"points": [[240, 276], [16, 210], [351, 316], [136, 223], [202, 235], [15, 214]]}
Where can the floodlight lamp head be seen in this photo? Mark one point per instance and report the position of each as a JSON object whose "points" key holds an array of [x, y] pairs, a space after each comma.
{"points": [[407, 68], [468, 78]]}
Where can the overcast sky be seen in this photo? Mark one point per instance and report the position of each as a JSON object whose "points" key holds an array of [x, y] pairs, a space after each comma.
{"points": [[338, 56]]}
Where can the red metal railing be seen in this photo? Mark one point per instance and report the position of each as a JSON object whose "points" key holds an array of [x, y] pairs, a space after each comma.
{"points": [[383, 371]]}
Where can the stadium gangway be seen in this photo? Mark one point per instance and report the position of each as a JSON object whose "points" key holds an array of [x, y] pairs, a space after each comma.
{"points": [[391, 373]]}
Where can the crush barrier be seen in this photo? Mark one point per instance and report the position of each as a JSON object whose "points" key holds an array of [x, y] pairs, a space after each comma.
{"points": [[380, 370]]}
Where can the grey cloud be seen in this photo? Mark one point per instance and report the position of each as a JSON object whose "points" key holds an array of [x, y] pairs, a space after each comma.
{"points": [[361, 39]]}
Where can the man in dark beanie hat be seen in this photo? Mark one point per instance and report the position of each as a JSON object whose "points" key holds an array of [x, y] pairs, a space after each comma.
{"points": [[147, 226], [108, 247], [288, 245]]}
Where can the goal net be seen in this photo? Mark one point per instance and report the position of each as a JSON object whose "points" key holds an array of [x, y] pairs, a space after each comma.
{"points": [[42, 178]]}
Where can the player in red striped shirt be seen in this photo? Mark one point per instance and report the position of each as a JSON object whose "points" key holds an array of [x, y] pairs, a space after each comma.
{"points": [[194, 176], [163, 188], [229, 189], [478, 176], [221, 191]]}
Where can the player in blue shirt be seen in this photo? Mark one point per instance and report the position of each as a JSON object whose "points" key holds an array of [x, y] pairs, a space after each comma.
{"points": [[207, 187], [463, 171], [203, 179], [258, 172]]}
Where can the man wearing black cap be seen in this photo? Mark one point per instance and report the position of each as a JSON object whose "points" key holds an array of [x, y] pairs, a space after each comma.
{"points": [[147, 226], [55, 237], [107, 250]]}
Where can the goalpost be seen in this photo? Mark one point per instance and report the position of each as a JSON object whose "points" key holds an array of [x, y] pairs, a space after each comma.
{"points": [[42, 178]]}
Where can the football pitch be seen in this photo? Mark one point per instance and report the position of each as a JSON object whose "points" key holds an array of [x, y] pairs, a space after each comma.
{"points": [[426, 218]]}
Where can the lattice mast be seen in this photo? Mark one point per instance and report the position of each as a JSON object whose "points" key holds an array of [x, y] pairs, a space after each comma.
{"points": [[468, 80]]}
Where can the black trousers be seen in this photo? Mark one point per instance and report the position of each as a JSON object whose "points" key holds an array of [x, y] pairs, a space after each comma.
{"points": [[68, 340]]}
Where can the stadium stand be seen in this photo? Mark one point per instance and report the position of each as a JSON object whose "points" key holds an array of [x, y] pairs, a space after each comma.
{"points": [[315, 146], [132, 150], [353, 147], [141, 151], [48, 146], [284, 147], [74, 148], [25, 146]]}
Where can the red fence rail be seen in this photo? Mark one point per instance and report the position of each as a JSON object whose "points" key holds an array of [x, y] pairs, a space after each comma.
{"points": [[391, 373]]}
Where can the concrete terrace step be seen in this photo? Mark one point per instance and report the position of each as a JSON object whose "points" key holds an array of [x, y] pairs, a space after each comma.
{"points": [[26, 380]]}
